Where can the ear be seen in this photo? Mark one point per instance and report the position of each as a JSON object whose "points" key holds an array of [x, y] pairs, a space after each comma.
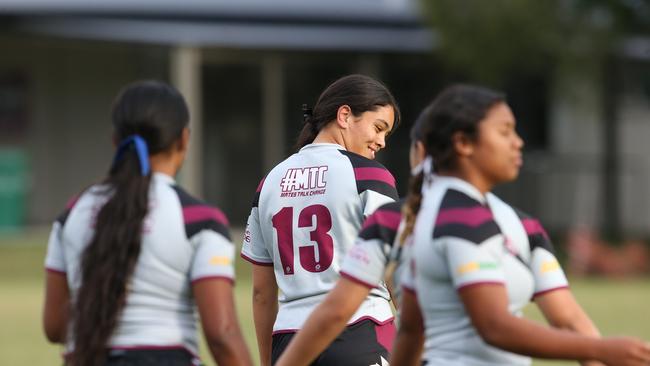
{"points": [[343, 115], [420, 151], [463, 146], [184, 140]]}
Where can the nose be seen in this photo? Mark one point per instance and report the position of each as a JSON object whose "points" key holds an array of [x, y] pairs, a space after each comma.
{"points": [[381, 141], [519, 142]]}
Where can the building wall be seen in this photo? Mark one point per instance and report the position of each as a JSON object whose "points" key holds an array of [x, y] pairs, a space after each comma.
{"points": [[71, 86]]}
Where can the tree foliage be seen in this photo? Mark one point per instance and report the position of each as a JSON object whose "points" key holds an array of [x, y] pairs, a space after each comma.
{"points": [[492, 39]]}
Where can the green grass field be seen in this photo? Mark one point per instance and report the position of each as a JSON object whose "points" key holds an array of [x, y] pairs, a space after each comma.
{"points": [[617, 307]]}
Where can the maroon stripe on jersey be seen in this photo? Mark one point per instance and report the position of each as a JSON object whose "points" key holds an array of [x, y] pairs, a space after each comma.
{"points": [[205, 278], [378, 174], [480, 283], [357, 281], [389, 219], [55, 271], [249, 259], [72, 202], [473, 216], [198, 216], [63, 216], [259, 186], [386, 335], [533, 227], [256, 198], [197, 213], [543, 292]]}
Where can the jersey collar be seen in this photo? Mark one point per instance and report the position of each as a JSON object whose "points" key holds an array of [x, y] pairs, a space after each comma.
{"points": [[461, 185], [162, 177], [322, 144]]}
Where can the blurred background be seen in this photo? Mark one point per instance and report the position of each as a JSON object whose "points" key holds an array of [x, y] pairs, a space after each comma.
{"points": [[576, 73]]}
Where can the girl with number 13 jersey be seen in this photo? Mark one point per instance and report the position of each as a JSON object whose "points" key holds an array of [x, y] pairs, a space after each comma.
{"points": [[306, 215]]}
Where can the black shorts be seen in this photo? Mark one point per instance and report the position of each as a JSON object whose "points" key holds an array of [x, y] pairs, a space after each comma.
{"points": [[151, 357], [361, 344]]}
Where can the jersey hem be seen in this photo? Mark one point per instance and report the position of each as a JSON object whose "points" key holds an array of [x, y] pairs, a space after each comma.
{"points": [[479, 283], [215, 277], [544, 292], [55, 271], [253, 261], [356, 280]]}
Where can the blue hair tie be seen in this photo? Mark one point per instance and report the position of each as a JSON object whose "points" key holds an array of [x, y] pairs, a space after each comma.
{"points": [[140, 148]]}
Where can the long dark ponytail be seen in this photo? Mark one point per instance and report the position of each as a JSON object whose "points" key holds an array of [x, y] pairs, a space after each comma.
{"points": [[361, 93], [156, 114], [458, 108]]}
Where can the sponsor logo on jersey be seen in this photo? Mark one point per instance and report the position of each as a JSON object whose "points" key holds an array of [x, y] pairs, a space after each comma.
{"points": [[550, 266], [303, 182], [219, 260], [247, 234], [475, 266], [359, 254]]}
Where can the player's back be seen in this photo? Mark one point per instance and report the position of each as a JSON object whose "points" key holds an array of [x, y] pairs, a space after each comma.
{"points": [[309, 211]]}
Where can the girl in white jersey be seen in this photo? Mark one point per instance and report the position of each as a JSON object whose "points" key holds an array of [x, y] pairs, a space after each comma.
{"points": [[382, 250], [129, 260], [468, 281], [307, 213]]}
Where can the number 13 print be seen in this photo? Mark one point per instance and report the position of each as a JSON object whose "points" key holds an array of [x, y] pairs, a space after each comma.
{"points": [[283, 224]]}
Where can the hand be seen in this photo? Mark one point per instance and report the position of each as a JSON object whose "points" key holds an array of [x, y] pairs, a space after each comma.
{"points": [[624, 351]]}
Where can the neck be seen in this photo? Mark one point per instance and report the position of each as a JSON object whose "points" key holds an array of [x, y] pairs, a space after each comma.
{"points": [[477, 180], [164, 163], [330, 135]]}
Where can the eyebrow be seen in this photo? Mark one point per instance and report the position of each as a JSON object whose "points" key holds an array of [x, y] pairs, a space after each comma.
{"points": [[386, 125]]}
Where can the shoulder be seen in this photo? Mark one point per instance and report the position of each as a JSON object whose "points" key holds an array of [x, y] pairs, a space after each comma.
{"points": [[371, 175], [464, 217], [198, 215], [537, 236], [383, 223]]}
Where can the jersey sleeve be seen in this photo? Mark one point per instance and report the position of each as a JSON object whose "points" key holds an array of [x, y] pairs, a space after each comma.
{"points": [[213, 256], [473, 263], [366, 262], [54, 259], [546, 269], [254, 248], [471, 240]]}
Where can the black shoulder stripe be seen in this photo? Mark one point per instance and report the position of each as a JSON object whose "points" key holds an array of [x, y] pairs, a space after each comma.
{"points": [[537, 236], [371, 175], [192, 228], [63, 216], [359, 161], [457, 199], [476, 235], [197, 215], [377, 186]]}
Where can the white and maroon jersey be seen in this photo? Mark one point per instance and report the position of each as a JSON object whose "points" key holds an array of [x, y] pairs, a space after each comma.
{"points": [[377, 245], [306, 215], [183, 241], [462, 238]]}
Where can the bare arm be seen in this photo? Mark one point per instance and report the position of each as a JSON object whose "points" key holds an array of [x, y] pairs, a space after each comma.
{"points": [[487, 306], [326, 322], [407, 349], [265, 309], [214, 298], [56, 307], [561, 310]]}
